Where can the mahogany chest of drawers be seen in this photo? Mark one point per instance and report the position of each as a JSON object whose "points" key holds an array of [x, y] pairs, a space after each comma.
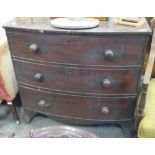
{"points": [[89, 76]]}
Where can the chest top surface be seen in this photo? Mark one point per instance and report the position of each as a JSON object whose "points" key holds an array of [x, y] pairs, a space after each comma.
{"points": [[42, 25]]}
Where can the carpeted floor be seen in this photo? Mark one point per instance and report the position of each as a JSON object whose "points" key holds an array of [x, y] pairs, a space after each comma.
{"points": [[9, 126]]}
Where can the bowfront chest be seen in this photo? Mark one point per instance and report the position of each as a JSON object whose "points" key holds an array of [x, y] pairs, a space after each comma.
{"points": [[89, 76]]}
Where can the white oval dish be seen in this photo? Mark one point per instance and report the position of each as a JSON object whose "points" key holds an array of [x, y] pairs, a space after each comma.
{"points": [[75, 23]]}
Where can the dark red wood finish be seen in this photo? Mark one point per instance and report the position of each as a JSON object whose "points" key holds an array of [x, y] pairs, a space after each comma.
{"points": [[81, 80], [76, 49], [78, 107], [89, 76]]}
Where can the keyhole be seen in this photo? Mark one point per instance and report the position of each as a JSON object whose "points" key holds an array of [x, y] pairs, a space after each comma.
{"points": [[68, 41]]}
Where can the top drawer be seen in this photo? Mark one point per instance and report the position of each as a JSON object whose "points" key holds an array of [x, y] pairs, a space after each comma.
{"points": [[78, 50]]}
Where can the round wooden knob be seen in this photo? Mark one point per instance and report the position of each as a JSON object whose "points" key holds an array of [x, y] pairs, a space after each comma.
{"points": [[33, 48], [106, 83], [38, 77], [104, 110], [109, 54], [42, 104]]}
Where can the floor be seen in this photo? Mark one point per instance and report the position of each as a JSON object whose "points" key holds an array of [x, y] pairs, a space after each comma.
{"points": [[8, 126]]}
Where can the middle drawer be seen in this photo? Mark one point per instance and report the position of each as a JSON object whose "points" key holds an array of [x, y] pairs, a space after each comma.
{"points": [[77, 80]]}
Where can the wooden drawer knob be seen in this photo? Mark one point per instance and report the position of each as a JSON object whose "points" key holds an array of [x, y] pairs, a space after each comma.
{"points": [[38, 77], [34, 48], [109, 54], [106, 83], [43, 104], [104, 110]]}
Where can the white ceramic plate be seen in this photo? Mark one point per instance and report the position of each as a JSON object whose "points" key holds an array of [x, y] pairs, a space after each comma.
{"points": [[75, 23]]}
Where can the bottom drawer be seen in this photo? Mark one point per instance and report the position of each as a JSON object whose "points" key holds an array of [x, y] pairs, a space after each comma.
{"points": [[78, 107]]}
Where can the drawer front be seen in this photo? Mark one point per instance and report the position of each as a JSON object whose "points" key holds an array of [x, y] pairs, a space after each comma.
{"points": [[80, 80], [76, 50], [78, 106]]}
